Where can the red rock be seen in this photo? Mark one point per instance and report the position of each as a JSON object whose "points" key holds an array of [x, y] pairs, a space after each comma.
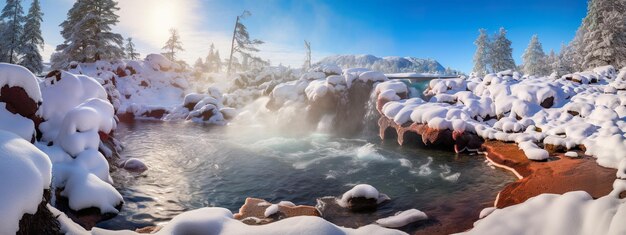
{"points": [[255, 208], [558, 177], [446, 139]]}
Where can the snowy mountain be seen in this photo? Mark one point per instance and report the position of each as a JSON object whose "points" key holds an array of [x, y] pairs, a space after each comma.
{"points": [[390, 64]]}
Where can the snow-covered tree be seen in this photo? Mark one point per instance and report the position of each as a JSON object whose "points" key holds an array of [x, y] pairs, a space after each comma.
{"points": [[605, 37], [572, 55], [307, 58], [242, 43], [482, 53], [13, 18], [131, 52], [565, 60], [32, 40], [535, 58], [501, 53], [88, 33], [553, 63], [173, 45]]}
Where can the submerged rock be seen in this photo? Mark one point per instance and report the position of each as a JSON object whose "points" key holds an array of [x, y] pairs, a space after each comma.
{"points": [[135, 165]]}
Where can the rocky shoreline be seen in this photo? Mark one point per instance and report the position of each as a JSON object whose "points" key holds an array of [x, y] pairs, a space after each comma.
{"points": [[560, 174]]}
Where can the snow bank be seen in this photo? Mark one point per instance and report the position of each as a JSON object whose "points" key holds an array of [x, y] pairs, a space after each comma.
{"points": [[25, 172], [17, 76], [570, 213], [220, 221], [533, 112]]}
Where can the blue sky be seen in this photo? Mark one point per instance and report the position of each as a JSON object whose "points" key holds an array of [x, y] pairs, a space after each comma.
{"points": [[438, 29]]}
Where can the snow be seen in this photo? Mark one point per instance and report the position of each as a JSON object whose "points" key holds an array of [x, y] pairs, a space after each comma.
{"points": [[220, 221], [16, 124], [62, 96], [25, 172], [530, 111], [571, 154], [362, 190], [402, 218], [571, 213], [372, 76], [80, 127], [269, 211], [17, 76], [159, 62]]}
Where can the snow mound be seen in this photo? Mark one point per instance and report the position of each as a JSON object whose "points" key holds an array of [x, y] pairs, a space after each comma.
{"points": [[61, 94], [17, 76], [25, 172], [571, 213], [362, 190]]}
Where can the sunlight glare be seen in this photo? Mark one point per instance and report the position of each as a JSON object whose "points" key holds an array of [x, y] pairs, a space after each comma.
{"points": [[163, 15]]}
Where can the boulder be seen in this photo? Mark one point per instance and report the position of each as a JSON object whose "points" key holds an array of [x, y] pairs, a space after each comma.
{"points": [[134, 165]]}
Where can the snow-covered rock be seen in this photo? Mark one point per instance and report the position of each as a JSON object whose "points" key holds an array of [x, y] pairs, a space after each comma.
{"points": [[362, 197], [530, 111], [25, 172]]}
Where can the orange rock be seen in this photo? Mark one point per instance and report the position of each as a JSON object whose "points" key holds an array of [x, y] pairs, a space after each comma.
{"points": [[558, 177], [255, 208]]}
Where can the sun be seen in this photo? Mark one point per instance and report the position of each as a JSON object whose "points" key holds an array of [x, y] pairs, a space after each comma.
{"points": [[162, 15]]}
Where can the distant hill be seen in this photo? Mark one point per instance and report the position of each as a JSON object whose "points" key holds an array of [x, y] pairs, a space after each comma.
{"points": [[389, 64]]}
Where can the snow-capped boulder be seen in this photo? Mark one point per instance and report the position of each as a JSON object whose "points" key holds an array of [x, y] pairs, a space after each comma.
{"points": [[20, 93], [362, 197], [25, 172], [62, 92]]}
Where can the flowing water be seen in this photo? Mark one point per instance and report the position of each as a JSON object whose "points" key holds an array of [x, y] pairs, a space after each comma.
{"points": [[194, 165]]}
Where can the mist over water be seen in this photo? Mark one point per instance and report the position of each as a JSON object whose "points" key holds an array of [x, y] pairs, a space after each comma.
{"points": [[277, 156]]}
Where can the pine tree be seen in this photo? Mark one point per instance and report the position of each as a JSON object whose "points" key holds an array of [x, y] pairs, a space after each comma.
{"points": [[535, 58], [553, 64], [565, 60], [13, 17], [199, 65], [208, 65], [32, 40], [501, 53], [307, 58], [217, 62], [605, 37], [172, 45], [242, 44], [482, 53], [88, 34], [131, 52]]}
